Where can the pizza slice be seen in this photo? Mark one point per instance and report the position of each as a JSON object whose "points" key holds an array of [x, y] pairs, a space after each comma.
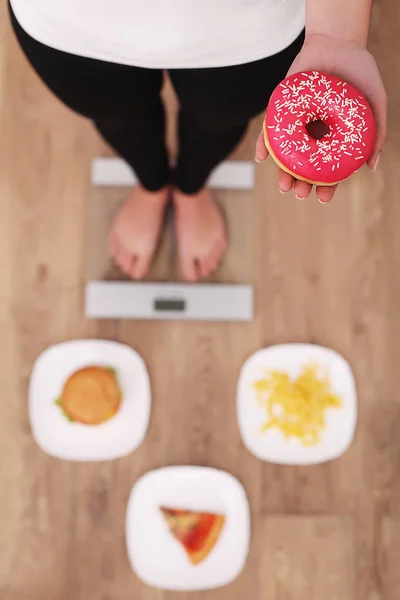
{"points": [[198, 532]]}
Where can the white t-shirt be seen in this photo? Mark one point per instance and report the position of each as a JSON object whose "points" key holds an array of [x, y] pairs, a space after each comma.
{"points": [[164, 33]]}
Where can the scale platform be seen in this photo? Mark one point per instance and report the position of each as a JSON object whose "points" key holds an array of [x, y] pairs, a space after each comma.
{"points": [[231, 174], [109, 295], [168, 301]]}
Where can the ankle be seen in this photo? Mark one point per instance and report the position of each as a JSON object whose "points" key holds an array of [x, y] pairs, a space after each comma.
{"points": [[180, 197], [158, 196]]}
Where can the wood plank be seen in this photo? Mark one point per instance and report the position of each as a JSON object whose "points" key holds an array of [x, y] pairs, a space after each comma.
{"points": [[306, 558], [388, 558]]}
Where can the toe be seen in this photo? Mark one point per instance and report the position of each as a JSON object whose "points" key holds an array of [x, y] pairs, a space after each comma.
{"points": [[118, 257], [132, 267], [123, 260], [197, 269], [219, 252], [212, 261], [211, 265], [205, 266], [189, 268], [140, 266]]}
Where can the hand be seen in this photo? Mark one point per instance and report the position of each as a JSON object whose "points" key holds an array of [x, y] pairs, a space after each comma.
{"points": [[353, 63]]}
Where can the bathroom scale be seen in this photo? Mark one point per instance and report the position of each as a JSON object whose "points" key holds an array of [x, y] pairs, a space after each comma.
{"points": [[109, 297]]}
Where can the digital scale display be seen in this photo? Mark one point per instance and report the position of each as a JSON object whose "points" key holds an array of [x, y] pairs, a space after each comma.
{"points": [[161, 304], [168, 301]]}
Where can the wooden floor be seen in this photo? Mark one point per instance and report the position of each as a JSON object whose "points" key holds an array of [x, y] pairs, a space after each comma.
{"points": [[325, 274]]}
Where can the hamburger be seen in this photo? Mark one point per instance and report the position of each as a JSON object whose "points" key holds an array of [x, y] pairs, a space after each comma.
{"points": [[91, 396]]}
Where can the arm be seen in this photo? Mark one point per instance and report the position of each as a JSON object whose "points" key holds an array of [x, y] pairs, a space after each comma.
{"points": [[344, 19], [336, 37]]}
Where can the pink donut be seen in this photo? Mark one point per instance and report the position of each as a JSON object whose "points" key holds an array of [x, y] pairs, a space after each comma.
{"points": [[319, 128]]}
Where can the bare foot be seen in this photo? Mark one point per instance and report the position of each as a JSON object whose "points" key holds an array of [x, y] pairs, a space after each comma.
{"points": [[136, 231], [200, 232]]}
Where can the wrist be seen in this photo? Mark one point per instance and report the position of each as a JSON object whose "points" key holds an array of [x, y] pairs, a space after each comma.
{"points": [[331, 40], [345, 20]]}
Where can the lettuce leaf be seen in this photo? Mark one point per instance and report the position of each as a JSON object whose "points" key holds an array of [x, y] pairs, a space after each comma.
{"points": [[58, 402]]}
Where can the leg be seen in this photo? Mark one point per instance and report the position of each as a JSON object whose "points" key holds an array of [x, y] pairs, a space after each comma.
{"points": [[125, 105], [123, 102], [216, 107]]}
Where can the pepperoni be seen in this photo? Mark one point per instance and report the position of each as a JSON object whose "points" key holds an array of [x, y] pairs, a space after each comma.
{"points": [[319, 127], [195, 537]]}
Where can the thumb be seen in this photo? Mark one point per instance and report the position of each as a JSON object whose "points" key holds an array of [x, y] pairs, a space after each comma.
{"points": [[261, 149], [379, 107]]}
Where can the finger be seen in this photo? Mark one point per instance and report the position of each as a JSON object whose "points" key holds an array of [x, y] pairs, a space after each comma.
{"points": [[379, 107], [325, 193], [286, 182], [302, 189], [261, 149]]}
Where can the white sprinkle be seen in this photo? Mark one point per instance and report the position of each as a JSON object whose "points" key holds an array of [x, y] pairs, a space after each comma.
{"points": [[296, 104]]}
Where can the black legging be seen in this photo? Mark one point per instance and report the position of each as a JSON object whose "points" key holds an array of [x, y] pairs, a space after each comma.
{"points": [[125, 105]]}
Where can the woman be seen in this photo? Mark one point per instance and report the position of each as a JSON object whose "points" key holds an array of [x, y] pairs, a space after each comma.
{"points": [[104, 59]]}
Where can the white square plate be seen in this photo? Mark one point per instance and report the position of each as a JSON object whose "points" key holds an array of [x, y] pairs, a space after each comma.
{"points": [[73, 441], [157, 557], [271, 445]]}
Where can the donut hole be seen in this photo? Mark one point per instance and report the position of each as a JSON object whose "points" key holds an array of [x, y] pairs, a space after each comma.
{"points": [[317, 129]]}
